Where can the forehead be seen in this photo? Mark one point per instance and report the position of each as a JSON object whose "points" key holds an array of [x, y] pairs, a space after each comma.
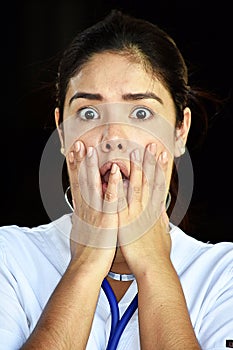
{"points": [[112, 75]]}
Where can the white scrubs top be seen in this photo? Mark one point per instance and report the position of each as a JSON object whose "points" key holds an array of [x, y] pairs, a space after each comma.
{"points": [[33, 260]]}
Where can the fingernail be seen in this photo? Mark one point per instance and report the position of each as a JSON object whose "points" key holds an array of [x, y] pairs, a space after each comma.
{"points": [[71, 157], [114, 168], [136, 155], [89, 152], [164, 157], [81, 150], [152, 148], [77, 146]]}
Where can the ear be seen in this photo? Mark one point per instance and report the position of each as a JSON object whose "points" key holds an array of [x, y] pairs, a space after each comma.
{"points": [[181, 133], [59, 129]]}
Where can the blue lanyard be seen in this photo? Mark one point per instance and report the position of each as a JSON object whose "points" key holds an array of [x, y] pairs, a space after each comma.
{"points": [[117, 325]]}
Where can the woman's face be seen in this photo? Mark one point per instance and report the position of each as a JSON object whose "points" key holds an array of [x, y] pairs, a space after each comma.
{"points": [[114, 105]]}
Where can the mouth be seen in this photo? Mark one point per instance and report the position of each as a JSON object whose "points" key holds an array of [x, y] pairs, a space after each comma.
{"points": [[105, 171]]}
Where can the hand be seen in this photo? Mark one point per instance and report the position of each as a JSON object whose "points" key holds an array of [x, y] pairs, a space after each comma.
{"points": [[143, 224], [95, 219]]}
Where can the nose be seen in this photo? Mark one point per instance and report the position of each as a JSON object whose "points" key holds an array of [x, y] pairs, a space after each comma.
{"points": [[114, 145]]}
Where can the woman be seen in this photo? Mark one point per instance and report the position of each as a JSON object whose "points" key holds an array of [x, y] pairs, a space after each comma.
{"points": [[123, 117]]}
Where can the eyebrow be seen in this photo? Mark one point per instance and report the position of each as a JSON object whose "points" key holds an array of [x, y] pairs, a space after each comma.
{"points": [[126, 97], [142, 96], [86, 95]]}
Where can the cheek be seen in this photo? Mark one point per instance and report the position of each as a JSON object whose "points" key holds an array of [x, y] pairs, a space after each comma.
{"points": [[91, 138], [139, 137]]}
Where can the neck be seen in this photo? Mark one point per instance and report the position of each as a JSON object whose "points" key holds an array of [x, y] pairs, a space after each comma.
{"points": [[119, 264]]}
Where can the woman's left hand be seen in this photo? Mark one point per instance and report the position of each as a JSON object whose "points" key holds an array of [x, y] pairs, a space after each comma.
{"points": [[143, 235]]}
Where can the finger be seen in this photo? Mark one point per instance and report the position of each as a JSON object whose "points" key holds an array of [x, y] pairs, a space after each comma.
{"points": [[110, 201], [77, 179], [159, 189], [135, 188], [72, 164], [93, 191], [80, 151], [149, 164], [122, 204], [76, 155]]}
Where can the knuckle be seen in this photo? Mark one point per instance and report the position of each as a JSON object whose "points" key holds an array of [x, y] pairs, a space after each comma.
{"points": [[122, 204], [122, 201], [78, 158], [137, 167], [75, 186], [108, 196], [151, 160], [112, 181], [92, 188], [90, 163], [137, 193], [72, 166], [82, 182], [137, 189], [160, 187]]}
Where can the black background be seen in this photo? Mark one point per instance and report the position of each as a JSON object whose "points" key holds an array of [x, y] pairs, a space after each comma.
{"points": [[33, 32]]}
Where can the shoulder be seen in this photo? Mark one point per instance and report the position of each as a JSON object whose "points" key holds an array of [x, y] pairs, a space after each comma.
{"points": [[13, 232], [206, 274], [205, 270], [202, 266], [32, 261], [20, 242], [188, 250]]}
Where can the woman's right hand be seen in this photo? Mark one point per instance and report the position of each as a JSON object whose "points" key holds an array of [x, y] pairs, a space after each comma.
{"points": [[95, 221]]}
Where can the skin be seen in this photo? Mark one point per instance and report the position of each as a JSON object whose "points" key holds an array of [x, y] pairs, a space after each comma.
{"points": [[113, 77], [102, 243]]}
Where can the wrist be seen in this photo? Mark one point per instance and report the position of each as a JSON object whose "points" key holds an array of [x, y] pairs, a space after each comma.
{"points": [[85, 272], [159, 275]]}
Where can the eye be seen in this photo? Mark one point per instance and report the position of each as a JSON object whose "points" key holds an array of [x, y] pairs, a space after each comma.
{"points": [[142, 113], [88, 113]]}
